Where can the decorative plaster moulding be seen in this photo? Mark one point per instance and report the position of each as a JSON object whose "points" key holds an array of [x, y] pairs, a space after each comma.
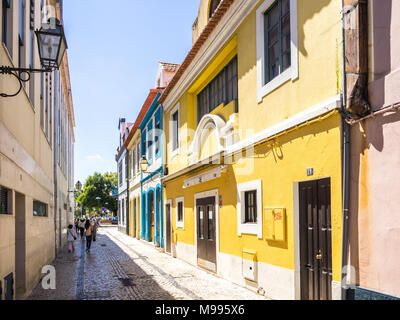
{"points": [[226, 134], [204, 177]]}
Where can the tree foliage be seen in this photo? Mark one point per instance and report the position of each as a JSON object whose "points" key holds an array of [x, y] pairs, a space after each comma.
{"points": [[98, 185]]}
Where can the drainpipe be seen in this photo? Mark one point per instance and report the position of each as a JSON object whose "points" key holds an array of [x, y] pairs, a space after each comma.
{"points": [[55, 158], [355, 101]]}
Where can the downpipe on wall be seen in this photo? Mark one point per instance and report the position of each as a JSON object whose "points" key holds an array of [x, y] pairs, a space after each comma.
{"points": [[355, 105], [345, 166]]}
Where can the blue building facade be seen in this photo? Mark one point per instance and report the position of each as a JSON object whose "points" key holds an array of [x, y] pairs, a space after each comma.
{"points": [[152, 224]]}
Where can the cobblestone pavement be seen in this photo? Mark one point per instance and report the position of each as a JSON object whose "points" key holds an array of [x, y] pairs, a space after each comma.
{"points": [[122, 268]]}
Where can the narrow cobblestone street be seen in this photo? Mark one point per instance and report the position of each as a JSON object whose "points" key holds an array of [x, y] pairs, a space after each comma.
{"points": [[122, 268]]}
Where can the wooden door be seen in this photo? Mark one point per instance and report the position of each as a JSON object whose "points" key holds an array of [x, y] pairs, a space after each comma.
{"points": [[168, 227], [316, 240], [206, 233]]}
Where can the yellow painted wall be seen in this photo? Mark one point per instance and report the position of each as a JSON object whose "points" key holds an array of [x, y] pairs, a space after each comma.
{"points": [[317, 145], [202, 19], [320, 75], [320, 66]]}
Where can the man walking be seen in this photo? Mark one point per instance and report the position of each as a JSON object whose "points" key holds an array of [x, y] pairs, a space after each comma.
{"points": [[94, 224]]}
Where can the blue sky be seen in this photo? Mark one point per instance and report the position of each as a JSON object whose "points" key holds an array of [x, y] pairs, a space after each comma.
{"points": [[113, 55]]}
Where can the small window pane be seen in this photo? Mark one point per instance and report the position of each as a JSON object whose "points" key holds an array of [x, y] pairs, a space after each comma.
{"points": [[4, 195], [277, 39], [175, 131], [210, 210], [213, 6], [157, 138], [201, 222], [250, 207], [39, 209], [180, 211]]}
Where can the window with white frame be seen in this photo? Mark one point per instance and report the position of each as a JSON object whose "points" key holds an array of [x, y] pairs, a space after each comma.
{"points": [[277, 49], [249, 208], [180, 213], [133, 158], [157, 137], [174, 130], [150, 144], [120, 173], [7, 19], [21, 34], [138, 158], [144, 142]]}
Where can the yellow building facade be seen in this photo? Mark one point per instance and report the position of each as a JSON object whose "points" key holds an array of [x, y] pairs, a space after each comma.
{"points": [[36, 154], [134, 183], [253, 147]]}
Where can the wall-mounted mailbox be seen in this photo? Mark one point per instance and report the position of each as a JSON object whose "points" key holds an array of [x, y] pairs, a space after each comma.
{"points": [[274, 224], [249, 265]]}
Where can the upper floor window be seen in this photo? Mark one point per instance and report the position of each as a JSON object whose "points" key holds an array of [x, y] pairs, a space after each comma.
{"points": [[277, 53], [21, 33], [213, 6], [127, 175], [7, 24], [144, 141], [277, 34], [120, 173], [222, 89], [174, 130], [150, 142], [133, 161], [138, 158], [157, 137]]}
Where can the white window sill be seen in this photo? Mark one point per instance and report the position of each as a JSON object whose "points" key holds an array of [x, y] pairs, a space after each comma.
{"points": [[249, 228], [175, 153], [180, 225], [276, 83]]}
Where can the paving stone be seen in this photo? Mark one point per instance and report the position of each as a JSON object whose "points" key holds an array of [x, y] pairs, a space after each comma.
{"points": [[119, 267]]}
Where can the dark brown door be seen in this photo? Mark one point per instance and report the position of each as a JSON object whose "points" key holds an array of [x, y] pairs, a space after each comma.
{"points": [[316, 240], [168, 227], [206, 222]]}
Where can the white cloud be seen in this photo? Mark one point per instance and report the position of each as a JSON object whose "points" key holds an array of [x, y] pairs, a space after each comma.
{"points": [[94, 157]]}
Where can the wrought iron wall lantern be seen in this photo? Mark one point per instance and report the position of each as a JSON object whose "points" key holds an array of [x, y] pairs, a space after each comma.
{"points": [[52, 45], [144, 165]]}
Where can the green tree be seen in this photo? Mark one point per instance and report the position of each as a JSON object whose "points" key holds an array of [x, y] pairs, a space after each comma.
{"points": [[98, 185]]}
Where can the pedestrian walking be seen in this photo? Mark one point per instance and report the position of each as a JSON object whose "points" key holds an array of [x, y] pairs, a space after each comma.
{"points": [[71, 237], [95, 226], [82, 227], [77, 226], [88, 234]]}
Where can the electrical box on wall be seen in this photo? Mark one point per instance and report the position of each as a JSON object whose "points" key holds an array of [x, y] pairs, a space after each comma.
{"points": [[249, 265], [274, 224]]}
